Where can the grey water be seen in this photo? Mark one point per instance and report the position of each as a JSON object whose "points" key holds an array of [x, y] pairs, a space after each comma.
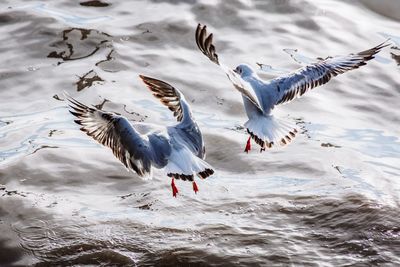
{"points": [[330, 198]]}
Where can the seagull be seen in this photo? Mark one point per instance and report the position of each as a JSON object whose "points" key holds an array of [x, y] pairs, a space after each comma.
{"points": [[260, 97], [179, 149]]}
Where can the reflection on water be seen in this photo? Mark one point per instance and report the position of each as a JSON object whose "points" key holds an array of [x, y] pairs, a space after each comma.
{"points": [[330, 198], [395, 48], [65, 16], [100, 106], [87, 80], [111, 64], [78, 43], [94, 3], [396, 58], [308, 233]]}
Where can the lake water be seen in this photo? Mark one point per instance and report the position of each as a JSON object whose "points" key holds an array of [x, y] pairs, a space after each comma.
{"points": [[331, 198]]}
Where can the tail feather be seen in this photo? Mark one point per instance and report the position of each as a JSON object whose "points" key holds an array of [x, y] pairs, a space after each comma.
{"points": [[184, 165], [268, 131]]}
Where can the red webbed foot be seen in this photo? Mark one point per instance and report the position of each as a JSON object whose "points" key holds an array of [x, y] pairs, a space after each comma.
{"points": [[248, 145], [174, 188], [195, 188]]}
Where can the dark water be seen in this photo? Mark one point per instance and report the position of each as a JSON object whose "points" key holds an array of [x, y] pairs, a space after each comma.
{"points": [[331, 198]]}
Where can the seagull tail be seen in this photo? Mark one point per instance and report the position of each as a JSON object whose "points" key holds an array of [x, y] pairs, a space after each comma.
{"points": [[204, 169], [184, 165], [268, 131]]}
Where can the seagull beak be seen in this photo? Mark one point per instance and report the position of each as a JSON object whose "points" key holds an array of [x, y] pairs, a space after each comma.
{"points": [[235, 71]]}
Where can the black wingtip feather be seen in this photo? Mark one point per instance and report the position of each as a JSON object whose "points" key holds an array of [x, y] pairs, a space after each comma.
{"points": [[204, 43], [206, 173], [166, 93], [76, 114]]}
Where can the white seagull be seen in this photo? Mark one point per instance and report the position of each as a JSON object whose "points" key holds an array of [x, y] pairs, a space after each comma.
{"points": [[260, 97], [179, 149]]}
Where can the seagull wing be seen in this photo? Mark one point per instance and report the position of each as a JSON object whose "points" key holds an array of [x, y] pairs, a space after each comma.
{"points": [[299, 82], [176, 102], [137, 152], [170, 97], [204, 42]]}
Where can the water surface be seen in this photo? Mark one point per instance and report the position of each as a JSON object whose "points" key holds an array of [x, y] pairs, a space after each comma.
{"points": [[331, 198]]}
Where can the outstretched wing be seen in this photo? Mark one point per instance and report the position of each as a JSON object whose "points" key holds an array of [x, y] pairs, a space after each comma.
{"points": [[135, 151], [170, 97], [204, 43], [175, 101], [297, 83]]}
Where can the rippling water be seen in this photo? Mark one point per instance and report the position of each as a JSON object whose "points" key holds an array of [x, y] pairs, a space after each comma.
{"points": [[331, 198]]}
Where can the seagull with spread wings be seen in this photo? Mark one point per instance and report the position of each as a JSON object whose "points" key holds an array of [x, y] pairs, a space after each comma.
{"points": [[179, 149], [261, 97]]}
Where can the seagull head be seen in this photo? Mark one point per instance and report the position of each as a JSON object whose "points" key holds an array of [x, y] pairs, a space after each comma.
{"points": [[244, 70]]}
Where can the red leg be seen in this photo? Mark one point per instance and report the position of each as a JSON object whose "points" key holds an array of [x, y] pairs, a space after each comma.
{"points": [[174, 188], [248, 145], [195, 188]]}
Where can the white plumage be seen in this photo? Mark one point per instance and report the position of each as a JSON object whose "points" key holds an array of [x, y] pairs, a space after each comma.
{"points": [[261, 97], [179, 149]]}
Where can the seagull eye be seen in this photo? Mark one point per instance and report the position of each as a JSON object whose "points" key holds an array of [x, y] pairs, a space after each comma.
{"points": [[239, 70]]}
